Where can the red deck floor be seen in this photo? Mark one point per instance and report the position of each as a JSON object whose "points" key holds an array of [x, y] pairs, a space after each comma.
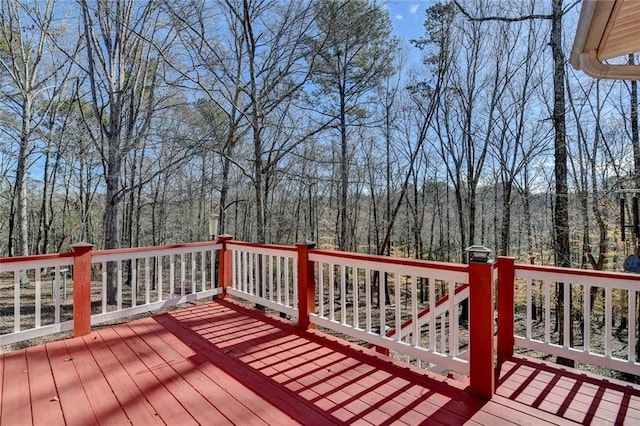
{"points": [[222, 363]]}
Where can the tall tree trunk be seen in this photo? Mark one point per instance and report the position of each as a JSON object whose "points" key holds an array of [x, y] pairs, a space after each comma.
{"points": [[448, 221], [139, 204], [461, 213], [21, 182], [635, 141], [561, 211], [224, 191], [256, 125], [598, 263], [112, 201], [43, 228], [344, 177], [132, 200], [21, 188], [506, 218]]}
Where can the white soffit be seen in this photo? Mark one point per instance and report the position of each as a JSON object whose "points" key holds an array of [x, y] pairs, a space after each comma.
{"points": [[607, 29]]}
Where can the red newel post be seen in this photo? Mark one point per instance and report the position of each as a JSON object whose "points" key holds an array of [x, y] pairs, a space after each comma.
{"points": [[506, 316], [81, 288], [224, 265], [481, 365], [306, 285]]}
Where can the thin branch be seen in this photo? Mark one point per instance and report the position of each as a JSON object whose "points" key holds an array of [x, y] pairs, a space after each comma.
{"points": [[500, 18], [571, 6]]}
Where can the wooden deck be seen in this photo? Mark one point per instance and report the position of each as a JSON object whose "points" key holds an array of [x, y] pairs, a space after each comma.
{"points": [[222, 363]]}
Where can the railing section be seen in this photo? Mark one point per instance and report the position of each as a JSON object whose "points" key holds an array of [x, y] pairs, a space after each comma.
{"points": [[265, 275], [39, 291], [35, 297], [133, 281], [586, 316], [409, 307]]}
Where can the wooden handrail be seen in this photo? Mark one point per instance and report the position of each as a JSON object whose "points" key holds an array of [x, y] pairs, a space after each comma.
{"points": [[391, 260]]}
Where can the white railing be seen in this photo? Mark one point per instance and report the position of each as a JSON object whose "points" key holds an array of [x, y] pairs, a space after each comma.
{"points": [[571, 313], [351, 289], [265, 275], [151, 278], [38, 291], [418, 321]]}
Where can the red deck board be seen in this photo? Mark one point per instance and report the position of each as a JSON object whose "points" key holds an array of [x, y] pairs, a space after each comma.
{"points": [[162, 401], [45, 402], [99, 394], [250, 379], [221, 362], [526, 414], [75, 404], [564, 393], [167, 348], [16, 408], [129, 397], [185, 395], [234, 389]]}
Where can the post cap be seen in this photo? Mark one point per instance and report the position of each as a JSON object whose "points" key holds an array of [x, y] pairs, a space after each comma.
{"points": [[81, 246], [306, 243], [478, 254]]}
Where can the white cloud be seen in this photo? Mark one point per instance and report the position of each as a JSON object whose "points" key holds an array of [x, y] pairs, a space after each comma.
{"points": [[399, 17], [414, 9]]}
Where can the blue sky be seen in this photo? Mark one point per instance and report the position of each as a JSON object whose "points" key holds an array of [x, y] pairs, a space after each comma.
{"points": [[407, 17]]}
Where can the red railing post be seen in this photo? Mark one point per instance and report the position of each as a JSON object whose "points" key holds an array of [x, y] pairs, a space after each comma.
{"points": [[306, 285], [481, 326], [506, 300], [81, 288], [224, 265]]}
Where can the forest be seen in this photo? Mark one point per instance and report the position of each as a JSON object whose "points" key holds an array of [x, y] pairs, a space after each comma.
{"points": [[128, 123]]}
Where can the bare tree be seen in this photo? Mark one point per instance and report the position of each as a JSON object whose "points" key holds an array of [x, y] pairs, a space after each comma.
{"points": [[517, 140], [355, 53], [251, 75], [561, 216], [36, 76], [123, 45], [468, 112], [562, 247]]}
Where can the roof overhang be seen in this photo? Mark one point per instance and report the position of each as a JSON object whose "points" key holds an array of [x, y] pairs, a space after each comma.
{"points": [[607, 29]]}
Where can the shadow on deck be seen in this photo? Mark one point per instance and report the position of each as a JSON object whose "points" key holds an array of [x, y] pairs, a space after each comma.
{"points": [[223, 363], [571, 394]]}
